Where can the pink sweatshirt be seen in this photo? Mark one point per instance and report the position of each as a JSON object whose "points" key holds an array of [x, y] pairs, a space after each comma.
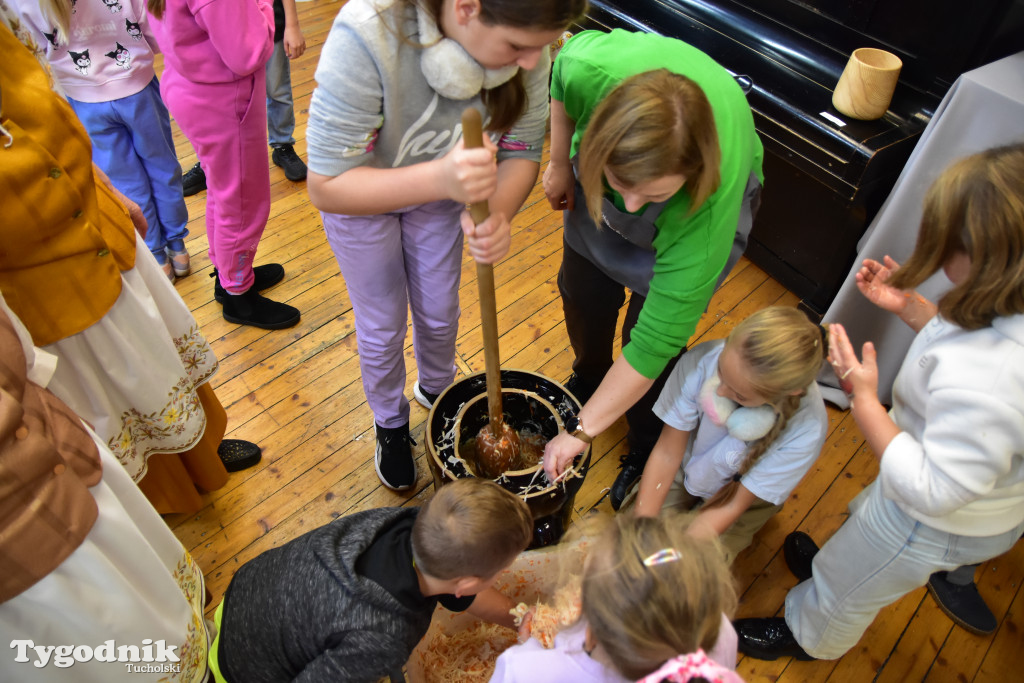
{"points": [[215, 41], [108, 54]]}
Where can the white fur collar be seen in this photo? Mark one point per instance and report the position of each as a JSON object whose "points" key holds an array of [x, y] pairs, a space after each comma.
{"points": [[449, 69]]}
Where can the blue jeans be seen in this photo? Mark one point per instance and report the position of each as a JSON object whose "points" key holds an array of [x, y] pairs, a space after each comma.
{"points": [[280, 106], [879, 555], [132, 144]]}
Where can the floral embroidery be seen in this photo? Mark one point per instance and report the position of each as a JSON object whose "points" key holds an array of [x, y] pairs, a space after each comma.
{"points": [[179, 423], [193, 651], [510, 141], [367, 144]]}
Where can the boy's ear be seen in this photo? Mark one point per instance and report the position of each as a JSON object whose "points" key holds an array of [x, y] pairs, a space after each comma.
{"points": [[467, 585]]}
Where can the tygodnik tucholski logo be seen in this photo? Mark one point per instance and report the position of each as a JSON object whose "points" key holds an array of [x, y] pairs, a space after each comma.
{"points": [[149, 657]]}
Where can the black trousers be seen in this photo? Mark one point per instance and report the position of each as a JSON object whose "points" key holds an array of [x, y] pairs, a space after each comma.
{"points": [[591, 301]]}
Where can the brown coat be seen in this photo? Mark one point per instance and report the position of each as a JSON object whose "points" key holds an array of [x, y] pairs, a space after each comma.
{"points": [[47, 463]]}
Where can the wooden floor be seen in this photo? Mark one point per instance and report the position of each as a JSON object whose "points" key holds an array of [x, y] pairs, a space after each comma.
{"points": [[297, 393]]}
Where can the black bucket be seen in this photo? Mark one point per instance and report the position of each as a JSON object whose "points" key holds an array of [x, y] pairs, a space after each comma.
{"points": [[534, 406]]}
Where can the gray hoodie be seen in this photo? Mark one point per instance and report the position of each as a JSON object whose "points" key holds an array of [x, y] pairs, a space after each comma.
{"points": [[301, 612], [373, 106]]}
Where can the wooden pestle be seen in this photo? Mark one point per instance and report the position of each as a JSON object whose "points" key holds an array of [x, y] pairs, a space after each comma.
{"points": [[497, 444]]}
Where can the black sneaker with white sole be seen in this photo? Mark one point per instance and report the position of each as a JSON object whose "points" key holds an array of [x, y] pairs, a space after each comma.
{"points": [[393, 457], [423, 397]]}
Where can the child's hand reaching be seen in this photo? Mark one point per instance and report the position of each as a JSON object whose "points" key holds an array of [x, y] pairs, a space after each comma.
{"points": [[856, 378], [871, 281]]}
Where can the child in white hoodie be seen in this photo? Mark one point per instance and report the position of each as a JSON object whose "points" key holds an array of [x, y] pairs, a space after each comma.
{"points": [[950, 488]]}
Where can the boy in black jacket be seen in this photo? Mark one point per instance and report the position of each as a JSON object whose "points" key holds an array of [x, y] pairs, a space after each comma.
{"points": [[350, 600]]}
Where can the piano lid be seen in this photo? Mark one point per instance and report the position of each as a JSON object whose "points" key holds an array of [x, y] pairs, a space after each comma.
{"points": [[794, 51]]}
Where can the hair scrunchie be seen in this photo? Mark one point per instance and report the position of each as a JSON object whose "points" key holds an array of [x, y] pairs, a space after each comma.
{"points": [[694, 665]]}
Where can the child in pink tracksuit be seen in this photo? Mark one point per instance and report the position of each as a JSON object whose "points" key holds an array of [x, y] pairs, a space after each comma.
{"points": [[215, 52]]}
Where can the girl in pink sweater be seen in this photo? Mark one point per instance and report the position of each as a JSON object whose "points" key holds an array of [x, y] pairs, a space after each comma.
{"points": [[215, 52]]}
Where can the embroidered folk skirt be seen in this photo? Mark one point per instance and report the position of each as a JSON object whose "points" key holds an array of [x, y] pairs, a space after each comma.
{"points": [[130, 582], [135, 376]]}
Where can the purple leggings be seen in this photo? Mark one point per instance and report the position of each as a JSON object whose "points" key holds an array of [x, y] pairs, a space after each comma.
{"points": [[393, 262]]}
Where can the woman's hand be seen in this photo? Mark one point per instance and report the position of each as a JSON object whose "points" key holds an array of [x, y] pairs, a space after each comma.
{"points": [[470, 175], [560, 186], [856, 378], [871, 281], [489, 241], [559, 453]]}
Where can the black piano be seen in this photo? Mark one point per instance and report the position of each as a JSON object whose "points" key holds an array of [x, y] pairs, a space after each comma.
{"points": [[826, 175]]}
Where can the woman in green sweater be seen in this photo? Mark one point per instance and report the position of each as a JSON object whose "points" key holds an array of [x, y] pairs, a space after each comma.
{"points": [[657, 167]]}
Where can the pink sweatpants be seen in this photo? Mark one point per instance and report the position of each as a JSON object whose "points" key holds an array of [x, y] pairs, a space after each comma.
{"points": [[227, 125]]}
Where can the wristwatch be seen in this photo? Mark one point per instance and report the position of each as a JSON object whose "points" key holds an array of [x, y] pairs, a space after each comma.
{"points": [[574, 426]]}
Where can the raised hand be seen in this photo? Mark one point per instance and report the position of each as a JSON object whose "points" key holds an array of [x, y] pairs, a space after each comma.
{"points": [[871, 281]]}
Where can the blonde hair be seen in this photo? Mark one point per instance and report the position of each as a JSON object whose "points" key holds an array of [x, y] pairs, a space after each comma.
{"points": [[58, 12], [783, 351], [652, 125], [471, 527], [644, 614], [976, 206], [506, 103]]}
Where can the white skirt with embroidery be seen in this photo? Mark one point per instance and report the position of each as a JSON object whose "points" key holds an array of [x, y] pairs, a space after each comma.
{"points": [[131, 582], [133, 374]]}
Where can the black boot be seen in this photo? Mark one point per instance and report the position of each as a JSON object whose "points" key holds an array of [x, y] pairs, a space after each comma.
{"points": [[251, 308], [264, 277], [768, 639]]}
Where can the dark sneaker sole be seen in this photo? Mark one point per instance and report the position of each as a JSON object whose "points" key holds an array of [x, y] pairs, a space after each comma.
{"points": [[291, 322]]}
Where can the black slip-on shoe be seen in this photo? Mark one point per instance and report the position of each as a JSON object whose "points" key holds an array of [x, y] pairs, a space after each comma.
{"points": [[768, 638], [799, 550], [252, 308], [963, 604], [237, 454]]}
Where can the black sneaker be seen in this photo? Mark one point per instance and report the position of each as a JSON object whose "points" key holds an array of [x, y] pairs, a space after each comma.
{"points": [[264, 277], [423, 397], [285, 157], [632, 465], [963, 604], [799, 550], [393, 457], [579, 388], [193, 181], [252, 308]]}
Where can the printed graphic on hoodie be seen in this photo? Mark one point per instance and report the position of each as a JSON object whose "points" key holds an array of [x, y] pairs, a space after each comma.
{"points": [[81, 60], [120, 55]]}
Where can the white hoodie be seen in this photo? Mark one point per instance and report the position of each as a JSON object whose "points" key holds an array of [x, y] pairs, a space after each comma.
{"points": [[958, 464]]}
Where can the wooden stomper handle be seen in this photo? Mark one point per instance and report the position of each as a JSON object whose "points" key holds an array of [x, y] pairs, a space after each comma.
{"points": [[472, 134]]}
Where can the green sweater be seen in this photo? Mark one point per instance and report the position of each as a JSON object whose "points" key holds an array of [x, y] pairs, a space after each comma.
{"points": [[691, 250]]}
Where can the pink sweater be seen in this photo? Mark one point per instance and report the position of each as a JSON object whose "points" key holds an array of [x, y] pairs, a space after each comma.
{"points": [[215, 41]]}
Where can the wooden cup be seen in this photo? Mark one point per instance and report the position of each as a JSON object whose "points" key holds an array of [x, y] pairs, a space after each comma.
{"points": [[865, 89]]}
